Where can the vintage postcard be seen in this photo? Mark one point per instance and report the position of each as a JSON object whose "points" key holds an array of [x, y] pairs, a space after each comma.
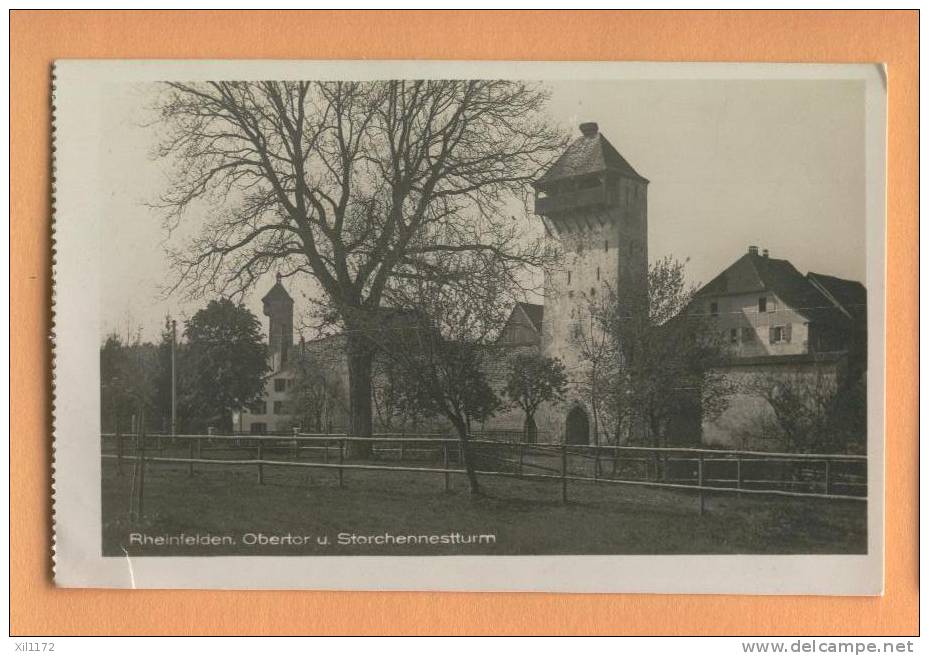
{"points": [[573, 327]]}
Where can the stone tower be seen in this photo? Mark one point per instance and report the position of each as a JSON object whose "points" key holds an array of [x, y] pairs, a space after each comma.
{"points": [[595, 205], [279, 308]]}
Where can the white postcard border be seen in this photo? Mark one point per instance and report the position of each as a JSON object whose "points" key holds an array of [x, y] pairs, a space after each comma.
{"points": [[77, 254]]}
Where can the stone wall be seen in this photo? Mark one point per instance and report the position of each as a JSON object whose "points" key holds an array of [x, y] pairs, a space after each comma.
{"points": [[749, 421]]}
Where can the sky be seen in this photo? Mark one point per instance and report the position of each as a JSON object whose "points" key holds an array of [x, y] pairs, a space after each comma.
{"points": [[775, 163]]}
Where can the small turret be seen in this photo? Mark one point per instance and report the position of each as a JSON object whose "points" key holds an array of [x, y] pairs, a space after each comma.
{"points": [[278, 306]]}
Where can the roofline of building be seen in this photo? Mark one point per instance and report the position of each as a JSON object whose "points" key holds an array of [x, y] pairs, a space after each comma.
{"points": [[825, 292]]}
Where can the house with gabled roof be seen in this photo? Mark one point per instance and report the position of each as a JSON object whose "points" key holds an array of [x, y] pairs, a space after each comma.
{"points": [[764, 306], [780, 327], [524, 326]]}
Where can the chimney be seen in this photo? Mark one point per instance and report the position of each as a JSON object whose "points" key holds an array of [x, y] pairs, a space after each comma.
{"points": [[753, 250], [279, 277], [589, 129], [765, 252]]}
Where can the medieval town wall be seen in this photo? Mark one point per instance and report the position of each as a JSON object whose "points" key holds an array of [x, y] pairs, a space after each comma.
{"points": [[749, 421]]}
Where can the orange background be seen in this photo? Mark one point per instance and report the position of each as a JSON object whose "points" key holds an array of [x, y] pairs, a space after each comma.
{"points": [[37, 38]]}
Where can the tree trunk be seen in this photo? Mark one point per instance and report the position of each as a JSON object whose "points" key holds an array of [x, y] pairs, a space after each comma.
{"points": [[360, 359], [467, 457], [530, 430]]}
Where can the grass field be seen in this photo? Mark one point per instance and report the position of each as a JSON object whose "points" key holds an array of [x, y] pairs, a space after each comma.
{"points": [[228, 505]]}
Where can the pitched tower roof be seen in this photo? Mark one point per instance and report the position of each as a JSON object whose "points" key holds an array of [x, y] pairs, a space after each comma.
{"points": [[277, 293], [588, 154]]}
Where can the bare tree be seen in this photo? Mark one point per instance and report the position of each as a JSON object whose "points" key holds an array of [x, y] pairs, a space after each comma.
{"points": [[599, 352], [316, 393], [822, 409], [358, 185], [435, 342], [387, 396], [663, 356]]}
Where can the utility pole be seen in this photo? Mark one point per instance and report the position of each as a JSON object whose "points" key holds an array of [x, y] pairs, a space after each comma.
{"points": [[173, 378]]}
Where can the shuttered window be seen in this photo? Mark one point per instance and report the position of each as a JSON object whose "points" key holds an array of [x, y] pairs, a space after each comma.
{"points": [[779, 334]]}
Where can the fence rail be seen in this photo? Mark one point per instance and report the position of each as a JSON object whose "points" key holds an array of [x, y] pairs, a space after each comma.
{"points": [[698, 470]]}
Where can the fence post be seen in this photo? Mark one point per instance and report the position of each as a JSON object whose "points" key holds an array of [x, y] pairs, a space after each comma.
{"points": [[141, 468], [190, 456], [828, 478], [401, 449], [738, 471], [596, 463], [326, 451], [700, 481], [445, 464], [296, 443], [564, 472], [119, 451], [341, 458], [261, 469], [519, 453]]}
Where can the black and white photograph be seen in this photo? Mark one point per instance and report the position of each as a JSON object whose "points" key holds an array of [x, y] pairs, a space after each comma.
{"points": [[397, 314]]}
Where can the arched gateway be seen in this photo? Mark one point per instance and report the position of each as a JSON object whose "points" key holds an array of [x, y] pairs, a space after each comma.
{"points": [[577, 426]]}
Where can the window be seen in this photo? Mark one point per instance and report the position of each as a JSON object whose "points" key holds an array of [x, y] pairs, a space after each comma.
{"points": [[280, 408], [569, 277], [598, 273], [258, 428], [772, 305], [762, 304], [779, 334], [280, 385], [714, 309], [748, 334], [259, 408], [606, 245], [733, 335]]}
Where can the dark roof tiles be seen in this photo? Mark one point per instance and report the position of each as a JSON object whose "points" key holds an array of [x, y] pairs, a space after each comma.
{"points": [[535, 313], [849, 294], [588, 154], [757, 273]]}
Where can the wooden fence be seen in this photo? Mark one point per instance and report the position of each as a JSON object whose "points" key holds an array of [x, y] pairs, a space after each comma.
{"points": [[696, 470]]}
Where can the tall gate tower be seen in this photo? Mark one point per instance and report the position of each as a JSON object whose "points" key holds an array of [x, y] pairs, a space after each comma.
{"points": [[594, 204]]}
